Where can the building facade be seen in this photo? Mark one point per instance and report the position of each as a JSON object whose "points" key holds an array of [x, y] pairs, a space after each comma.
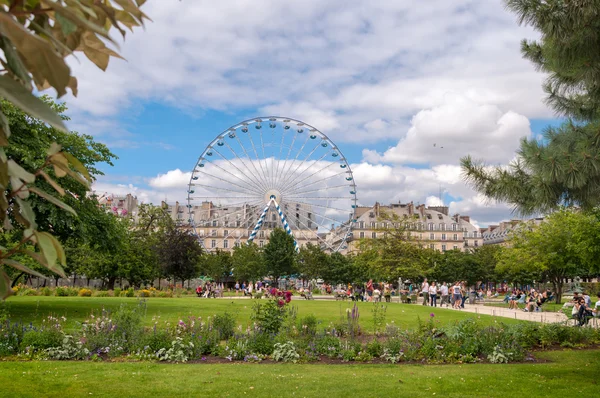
{"points": [[500, 234], [430, 227]]}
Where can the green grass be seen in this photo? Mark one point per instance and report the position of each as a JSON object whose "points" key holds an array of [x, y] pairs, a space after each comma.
{"points": [[33, 309], [570, 373]]}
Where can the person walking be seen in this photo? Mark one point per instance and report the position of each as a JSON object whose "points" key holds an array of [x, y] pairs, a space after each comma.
{"points": [[444, 292], [425, 291], [433, 294]]}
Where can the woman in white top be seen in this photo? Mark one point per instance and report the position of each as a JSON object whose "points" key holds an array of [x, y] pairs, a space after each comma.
{"points": [[433, 294], [456, 296]]}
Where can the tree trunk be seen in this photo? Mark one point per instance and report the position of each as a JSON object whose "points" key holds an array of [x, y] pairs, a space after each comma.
{"points": [[74, 279], [111, 283], [14, 282], [56, 278], [159, 283], [558, 285]]}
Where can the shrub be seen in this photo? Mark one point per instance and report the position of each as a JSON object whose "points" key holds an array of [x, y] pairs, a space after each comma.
{"points": [[363, 356], [165, 293], [328, 345], [46, 291], [117, 292], [308, 325], [84, 293], [374, 348], [224, 324], [130, 292], [35, 341], [101, 293], [269, 316], [206, 343], [180, 351], [156, 340], [61, 291], [347, 355], [143, 293], [70, 348], [236, 349], [262, 343], [285, 352]]}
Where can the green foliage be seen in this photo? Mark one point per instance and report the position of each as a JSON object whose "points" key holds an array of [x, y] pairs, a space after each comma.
{"points": [[180, 254], [247, 262], [35, 39], [280, 254], [216, 265], [269, 317], [224, 324], [261, 343], [285, 352]]}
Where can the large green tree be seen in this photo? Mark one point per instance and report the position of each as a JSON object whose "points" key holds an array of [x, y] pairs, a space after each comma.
{"points": [[217, 265], [248, 263], [280, 254], [563, 246], [313, 262], [564, 167], [180, 254]]}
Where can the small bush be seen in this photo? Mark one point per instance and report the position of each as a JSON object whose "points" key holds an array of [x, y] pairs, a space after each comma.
{"points": [[262, 343], [130, 292], [285, 352], [374, 348], [117, 292], [224, 324], [308, 325], [101, 293], [46, 291], [143, 293], [61, 291], [84, 293]]}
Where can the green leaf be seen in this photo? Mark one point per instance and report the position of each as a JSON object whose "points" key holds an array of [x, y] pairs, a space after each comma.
{"points": [[66, 25], [14, 170], [21, 267], [29, 103], [78, 166], [14, 61], [46, 248], [79, 20], [36, 256], [54, 184], [52, 199], [38, 55], [27, 212], [5, 289], [4, 129]]}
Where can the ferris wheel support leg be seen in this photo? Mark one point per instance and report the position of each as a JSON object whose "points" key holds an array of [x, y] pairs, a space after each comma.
{"points": [[259, 223], [286, 225]]}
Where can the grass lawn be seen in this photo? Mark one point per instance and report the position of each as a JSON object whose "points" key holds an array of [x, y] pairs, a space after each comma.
{"points": [[76, 309], [569, 374]]}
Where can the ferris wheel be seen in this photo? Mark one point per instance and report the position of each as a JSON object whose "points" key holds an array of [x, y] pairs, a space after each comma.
{"points": [[268, 173]]}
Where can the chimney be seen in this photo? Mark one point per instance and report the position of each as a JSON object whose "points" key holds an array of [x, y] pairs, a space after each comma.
{"points": [[411, 209], [421, 209], [466, 218]]}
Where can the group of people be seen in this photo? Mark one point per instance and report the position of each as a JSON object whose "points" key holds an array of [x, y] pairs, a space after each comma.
{"points": [[210, 289], [368, 292], [582, 308], [453, 295], [532, 299]]}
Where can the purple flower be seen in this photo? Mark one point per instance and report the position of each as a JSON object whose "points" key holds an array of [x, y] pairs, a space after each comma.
{"points": [[432, 315]]}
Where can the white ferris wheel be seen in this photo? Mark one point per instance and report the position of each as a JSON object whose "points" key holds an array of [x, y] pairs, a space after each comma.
{"points": [[267, 173]]}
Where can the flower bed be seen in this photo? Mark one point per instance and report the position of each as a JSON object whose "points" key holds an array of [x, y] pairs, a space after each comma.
{"points": [[277, 334]]}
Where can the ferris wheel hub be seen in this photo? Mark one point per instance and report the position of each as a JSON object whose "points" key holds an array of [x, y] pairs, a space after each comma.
{"points": [[272, 194]]}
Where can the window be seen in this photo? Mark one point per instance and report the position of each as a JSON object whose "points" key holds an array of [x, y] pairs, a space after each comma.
{"points": [[309, 216], [442, 227], [201, 232], [476, 243], [214, 223], [371, 214], [262, 234], [430, 226], [213, 243], [475, 234], [419, 226], [225, 233], [236, 244], [273, 217], [443, 236], [225, 244], [372, 224], [238, 223], [455, 247], [213, 232], [454, 227], [431, 236], [362, 235], [226, 223], [443, 248], [309, 224], [362, 225], [432, 246], [440, 217], [466, 243], [261, 243], [374, 235], [455, 237]]}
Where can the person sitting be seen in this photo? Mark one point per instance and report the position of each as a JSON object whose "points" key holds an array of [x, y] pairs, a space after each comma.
{"points": [[596, 310], [199, 291], [585, 313]]}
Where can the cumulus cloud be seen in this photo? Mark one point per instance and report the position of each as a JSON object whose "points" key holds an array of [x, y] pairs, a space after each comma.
{"points": [[171, 179], [456, 128]]}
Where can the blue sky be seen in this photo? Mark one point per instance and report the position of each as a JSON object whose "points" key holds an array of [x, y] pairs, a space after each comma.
{"points": [[384, 80]]}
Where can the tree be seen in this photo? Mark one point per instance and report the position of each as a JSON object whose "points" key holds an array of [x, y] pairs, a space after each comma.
{"points": [[340, 269], [559, 248], [217, 265], [562, 169], [180, 254], [35, 38], [247, 262], [470, 266], [312, 261], [280, 254]]}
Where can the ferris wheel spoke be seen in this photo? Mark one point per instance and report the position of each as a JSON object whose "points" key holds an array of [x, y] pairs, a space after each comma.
{"points": [[316, 234], [294, 181], [300, 151], [258, 176], [288, 154], [297, 189], [256, 182], [288, 176], [258, 159], [195, 184], [230, 234], [246, 191], [318, 190], [322, 215], [321, 206], [281, 146], [252, 187], [244, 206], [264, 157]]}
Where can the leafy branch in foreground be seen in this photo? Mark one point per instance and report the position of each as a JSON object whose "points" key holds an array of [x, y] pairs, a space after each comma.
{"points": [[35, 38]]}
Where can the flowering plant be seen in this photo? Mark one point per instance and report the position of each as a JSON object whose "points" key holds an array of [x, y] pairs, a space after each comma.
{"points": [[282, 297]]}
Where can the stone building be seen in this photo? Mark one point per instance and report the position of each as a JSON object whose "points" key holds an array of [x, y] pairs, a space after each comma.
{"points": [[430, 226], [500, 234]]}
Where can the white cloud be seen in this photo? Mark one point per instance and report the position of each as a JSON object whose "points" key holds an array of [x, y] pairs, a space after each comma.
{"points": [[171, 179], [454, 129]]}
